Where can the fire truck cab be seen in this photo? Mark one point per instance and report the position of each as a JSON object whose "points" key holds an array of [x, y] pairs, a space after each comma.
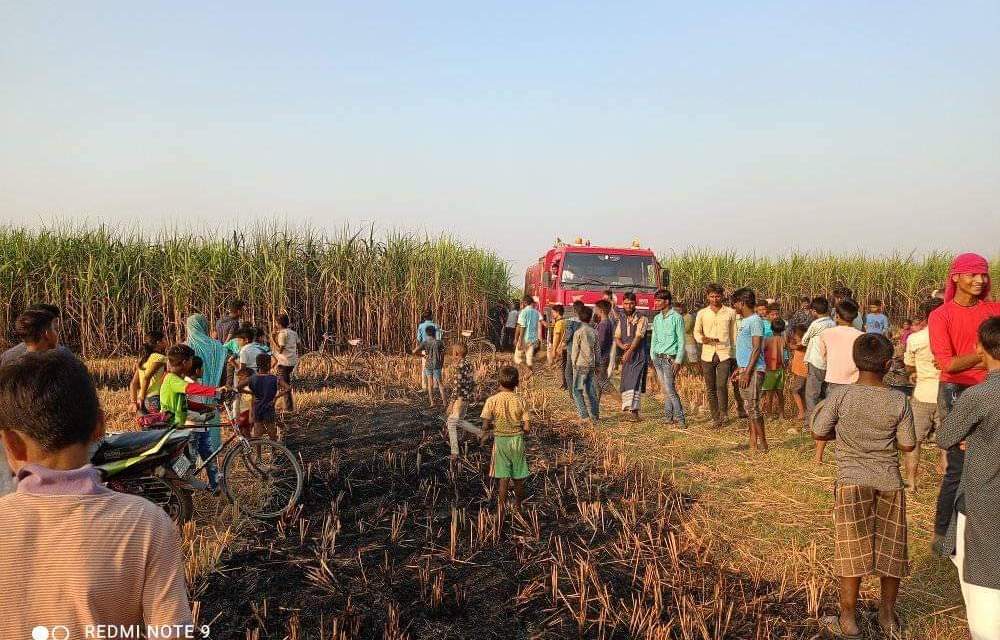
{"points": [[570, 272]]}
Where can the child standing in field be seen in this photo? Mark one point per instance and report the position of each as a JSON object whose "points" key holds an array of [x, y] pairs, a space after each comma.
{"points": [[426, 321], [798, 369], [505, 416], [557, 336], [870, 422], [836, 346], [265, 388], [876, 321], [526, 333], [774, 376], [605, 338], [762, 312], [246, 339], [583, 363], [286, 342], [924, 373], [463, 390], [247, 351], [145, 387], [201, 413], [433, 357], [175, 389], [906, 330]]}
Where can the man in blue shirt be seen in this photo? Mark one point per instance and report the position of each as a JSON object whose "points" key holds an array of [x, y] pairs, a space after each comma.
{"points": [[570, 327], [876, 321], [668, 355], [750, 363], [526, 335]]}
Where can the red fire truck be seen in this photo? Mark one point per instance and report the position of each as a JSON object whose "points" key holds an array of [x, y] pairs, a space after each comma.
{"points": [[579, 271]]}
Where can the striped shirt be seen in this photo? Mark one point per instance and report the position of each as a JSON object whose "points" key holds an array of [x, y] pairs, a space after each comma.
{"points": [[79, 554]]}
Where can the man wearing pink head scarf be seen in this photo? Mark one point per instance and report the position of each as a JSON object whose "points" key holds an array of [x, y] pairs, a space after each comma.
{"points": [[954, 328]]}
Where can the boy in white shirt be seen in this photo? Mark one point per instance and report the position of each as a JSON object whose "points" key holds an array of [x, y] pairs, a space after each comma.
{"points": [[925, 375]]}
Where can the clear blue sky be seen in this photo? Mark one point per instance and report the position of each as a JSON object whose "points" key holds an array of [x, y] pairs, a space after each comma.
{"points": [[755, 125]]}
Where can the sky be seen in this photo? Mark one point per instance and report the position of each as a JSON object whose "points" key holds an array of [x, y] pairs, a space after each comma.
{"points": [[756, 126]]}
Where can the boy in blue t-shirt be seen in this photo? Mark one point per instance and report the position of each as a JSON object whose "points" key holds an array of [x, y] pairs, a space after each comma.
{"points": [[876, 321], [750, 364], [265, 387], [426, 322], [526, 333]]}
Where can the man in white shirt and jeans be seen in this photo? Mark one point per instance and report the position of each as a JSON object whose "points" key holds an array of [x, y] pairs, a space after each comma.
{"points": [[816, 380]]}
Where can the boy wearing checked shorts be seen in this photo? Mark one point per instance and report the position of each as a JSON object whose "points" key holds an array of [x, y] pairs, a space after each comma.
{"points": [[504, 414], [871, 423]]}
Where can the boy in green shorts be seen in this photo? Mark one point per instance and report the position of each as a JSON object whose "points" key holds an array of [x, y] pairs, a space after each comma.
{"points": [[774, 376], [504, 414]]}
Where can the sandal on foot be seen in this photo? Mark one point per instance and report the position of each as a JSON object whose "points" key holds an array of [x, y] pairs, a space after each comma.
{"points": [[831, 624]]}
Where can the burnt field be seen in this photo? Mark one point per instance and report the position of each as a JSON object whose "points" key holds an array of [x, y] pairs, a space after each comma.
{"points": [[392, 540]]}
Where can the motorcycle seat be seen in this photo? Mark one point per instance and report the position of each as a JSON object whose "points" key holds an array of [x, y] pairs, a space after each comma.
{"points": [[119, 446]]}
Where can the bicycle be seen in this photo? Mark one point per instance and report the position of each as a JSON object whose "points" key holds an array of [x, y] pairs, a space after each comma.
{"points": [[261, 477], [315, 365], [361, 362], [480, 350], [364, 362]]}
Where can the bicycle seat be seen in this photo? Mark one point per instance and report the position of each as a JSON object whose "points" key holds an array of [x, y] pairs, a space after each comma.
{"points": [[354, 342], [119, 446], [467, 333]]}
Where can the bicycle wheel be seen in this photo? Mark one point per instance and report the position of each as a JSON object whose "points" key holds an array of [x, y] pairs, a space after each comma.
{"points": [[261, 477], [375, 368], [165, 494], [313, 367], [482, 352]]}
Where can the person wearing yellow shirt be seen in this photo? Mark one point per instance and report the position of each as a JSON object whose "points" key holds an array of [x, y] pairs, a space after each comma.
{"points": [[715, 331], [558, 337], [145, 387]]}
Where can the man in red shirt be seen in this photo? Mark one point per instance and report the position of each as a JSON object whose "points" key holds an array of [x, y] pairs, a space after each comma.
{"points": [[953, 331]]}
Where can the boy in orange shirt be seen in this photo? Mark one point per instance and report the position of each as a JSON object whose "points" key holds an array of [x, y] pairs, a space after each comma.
{"points": [[799, 371], [82, 554]]}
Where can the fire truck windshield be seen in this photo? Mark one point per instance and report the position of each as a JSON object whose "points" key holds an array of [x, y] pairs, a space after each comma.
{"points": [[612, 270]]}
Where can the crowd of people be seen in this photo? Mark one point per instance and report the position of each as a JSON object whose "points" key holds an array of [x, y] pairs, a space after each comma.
{"points": [[52, 499], [837, 362], [834, 359]]}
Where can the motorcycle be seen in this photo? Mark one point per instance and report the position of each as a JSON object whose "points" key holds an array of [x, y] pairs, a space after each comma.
{"points": [[260, 477], [150, 464]]}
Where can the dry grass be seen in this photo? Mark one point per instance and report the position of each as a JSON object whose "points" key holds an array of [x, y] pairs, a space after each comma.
{"points": [[609, 549], [771, 514]]}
